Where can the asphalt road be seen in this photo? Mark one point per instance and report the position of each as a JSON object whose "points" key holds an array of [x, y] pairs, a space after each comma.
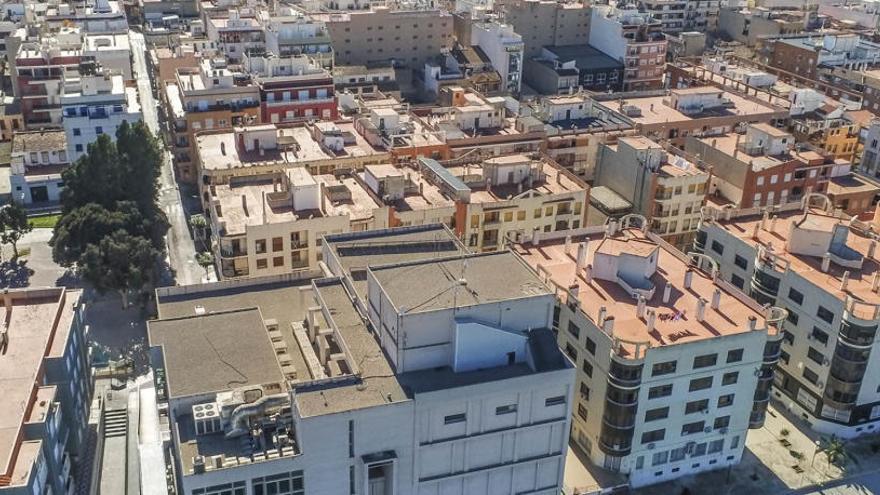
{"points": [[181, 248], [863, 484]]}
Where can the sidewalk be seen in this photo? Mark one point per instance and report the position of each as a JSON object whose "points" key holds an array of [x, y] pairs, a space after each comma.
{"points": [[774, 463]]}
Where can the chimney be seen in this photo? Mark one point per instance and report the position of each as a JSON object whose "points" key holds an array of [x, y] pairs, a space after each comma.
{"points": [[588, 274], [641, 307], [716, 299], [764, 217], [601, 319], [567, 244], [875, 282], [611, 228], [871, 248], [701, 308], [753, 323], [755, 231], [736, 146], [582, 255], [535, 237], [652, 317], [574, 289], [688, 278], [773, 223], [667, 292], [826, 262], [727, 213], [608, 325], [844, 281]]}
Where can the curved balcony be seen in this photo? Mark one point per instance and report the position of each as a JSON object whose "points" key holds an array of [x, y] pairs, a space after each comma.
{"points": [[855, 335], [700, 242], [861, 312], [764, 287], [614, 440], [624, 375]]}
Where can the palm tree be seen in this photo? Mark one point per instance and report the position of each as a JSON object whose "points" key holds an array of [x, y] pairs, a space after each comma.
{"points": [[834, 450], [199, 225]]}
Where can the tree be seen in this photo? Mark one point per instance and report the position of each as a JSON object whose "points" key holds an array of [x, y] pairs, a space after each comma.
{"points": [[206, 261], [199, 225], [111, 227], [14, 221], [835, 450], [120, 262]]}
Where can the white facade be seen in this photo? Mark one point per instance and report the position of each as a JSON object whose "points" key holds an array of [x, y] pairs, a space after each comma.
{"points": [[93, 105], [505, 50], [37, 160]]}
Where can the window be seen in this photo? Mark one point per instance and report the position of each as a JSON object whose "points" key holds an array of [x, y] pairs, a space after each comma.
{"points": [[691, 428], [811, 376], [99, 130], [655, 414], [792, 318], [760, 181], [76, 131], [734, 355], [740, 262], [260, 246], [278, 261], [508, 409], [717, 247], [819, 335], [705, 361], [262, 263], [788, 337], [737, 281], [571, 351], [659, 458], [784, 357], [696, 406], [574, 330], [582, 412], [653, 435], [663, 368], [585, 391], [78, 148], [277, 244], [795, 296], [554, 401], [700, 383], [591, 346], [660, 391], [725, 400], [722, 422], [730, 378], [824, 314], [454, 418], [237, 488], [815, 356], [588, 368], [280, 484]]}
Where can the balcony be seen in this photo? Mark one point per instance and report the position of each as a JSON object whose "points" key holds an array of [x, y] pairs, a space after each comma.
{"points": [[298, 102]]}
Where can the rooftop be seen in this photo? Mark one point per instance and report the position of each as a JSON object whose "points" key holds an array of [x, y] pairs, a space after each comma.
{"points": [[36, 324], [641, 263], [803, 253], [209, 352], [435, 285], [584, 56], [37, 141], [219, 151], [654, 110]]}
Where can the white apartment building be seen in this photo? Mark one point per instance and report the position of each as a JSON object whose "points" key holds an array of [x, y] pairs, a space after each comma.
{"points": [[95, 102], [682, 15], [821, 266], [316, 396], [111, 51], [674, 365], [36, 162], [504, 48], [289, 32]]}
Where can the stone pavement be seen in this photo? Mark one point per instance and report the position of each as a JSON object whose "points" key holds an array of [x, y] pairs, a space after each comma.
{"points": [[774, 463]]}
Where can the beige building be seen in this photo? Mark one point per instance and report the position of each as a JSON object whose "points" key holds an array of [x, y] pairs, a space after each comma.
{"points": [[408, 37], [548, 23], [272, 222]]}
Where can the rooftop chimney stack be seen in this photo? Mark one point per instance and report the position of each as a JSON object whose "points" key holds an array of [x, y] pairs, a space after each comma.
{"points": [[688, 278], [567, 244], [871, 248], [875, 282], [641, 306], [826, 262], [602, 312], [755, 231], [652, 317], [844, 281], [588, 274], [574, 289], [582, 255], [608, 325], [701, 309], [753, 323], [773, 223], [716, 299], [667, 292]]}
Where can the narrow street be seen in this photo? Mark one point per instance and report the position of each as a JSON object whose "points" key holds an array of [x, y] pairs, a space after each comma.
{"points": [[180, 244]]}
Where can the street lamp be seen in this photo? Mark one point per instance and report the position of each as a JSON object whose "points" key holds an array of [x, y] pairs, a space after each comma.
{"points": [[815, 451]]}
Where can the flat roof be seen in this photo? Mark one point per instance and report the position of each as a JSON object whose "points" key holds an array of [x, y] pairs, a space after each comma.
{"points": [[358, 250], [809, 267], [655, 110], [215, 352], [851, 184], [731, 317], [37, 141], [38, 326], [219, 151], [585, 57], [433, 284]]}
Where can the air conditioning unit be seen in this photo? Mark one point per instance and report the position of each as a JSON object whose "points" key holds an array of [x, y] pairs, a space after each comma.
{"points": [[820, 384], [651, 446], [723, 431], [707, 429]]}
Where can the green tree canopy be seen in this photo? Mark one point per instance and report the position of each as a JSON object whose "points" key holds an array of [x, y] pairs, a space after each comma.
{"points": [[14, 222], [119, 261]]}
